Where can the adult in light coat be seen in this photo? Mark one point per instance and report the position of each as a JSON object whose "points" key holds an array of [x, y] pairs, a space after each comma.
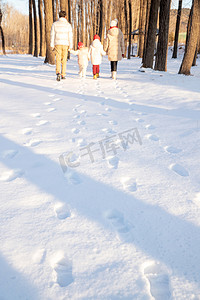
{"points": [[61, 43], [114, 46]]}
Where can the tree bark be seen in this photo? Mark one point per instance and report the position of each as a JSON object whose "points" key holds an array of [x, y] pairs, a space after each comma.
{"points": [[2, 35], [50, 57], [130, 29], [41, 25], [151, 36], [175, 50], [142, 21], [30, 51], [192, 39], [162, 48], [35, 30]]}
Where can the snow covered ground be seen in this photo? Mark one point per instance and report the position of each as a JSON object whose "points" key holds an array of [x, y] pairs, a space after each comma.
{"points": [[99, 182]]}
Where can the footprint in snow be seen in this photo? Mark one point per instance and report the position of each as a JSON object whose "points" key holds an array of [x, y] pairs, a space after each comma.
{"points": [[57, 99], [62, 211], [171, 149], [33, 143], [153, 137], [139, 120], [118, 222], [75, 130], [129, 184], [113, 162], [63, 271], [9, 154], [27, 131], [51, 95], [150, 127], [180, 170], [39, 256], [72, 178], [36, 115], [42, 122], [108, 109], [47, 103], [81, 122], [158, 279], [108, 130], [112, 122], [51, 109], [82, 143], [11, 175]]}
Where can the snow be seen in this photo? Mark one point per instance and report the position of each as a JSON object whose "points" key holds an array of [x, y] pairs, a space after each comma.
{"points": [[100, 182]]}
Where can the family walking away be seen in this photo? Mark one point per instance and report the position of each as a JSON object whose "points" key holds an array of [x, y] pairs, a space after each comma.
{"points": [[62, 42]]}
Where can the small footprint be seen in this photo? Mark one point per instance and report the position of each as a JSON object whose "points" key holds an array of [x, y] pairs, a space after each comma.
{"points": [[158, 279], [62, 211], [139, 120], [47, 103], [27, 131], [150, 127], [108, 109], [36, 115], [42, 122], [81, 122], [82, 142], [179, 169], [118, 222], [63, 271], [72, 178], [108, 130], [112, 122], [153, 137], [9, 154], [172, 149], [113, 162], [75, 130], [51, 95], [39, 256], [33, 143], [129, 184], [56, 99], [11, 175], [51, 109]]}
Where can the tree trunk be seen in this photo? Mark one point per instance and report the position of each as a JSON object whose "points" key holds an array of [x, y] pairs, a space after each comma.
{"points": [[175, 50], [142, 21], [146, 26], [50, 57], [35, 30], [192, 39], [2, 35], [30, 51], [162, 48], [151, 36], [41, 25], [126, 25], [62, 5], [130, 29]]}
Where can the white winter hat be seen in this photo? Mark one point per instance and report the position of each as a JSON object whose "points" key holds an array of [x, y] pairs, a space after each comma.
{"points": [[113, 23]]}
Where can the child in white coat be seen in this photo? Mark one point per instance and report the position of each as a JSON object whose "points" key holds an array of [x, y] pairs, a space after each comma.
{"points": [[96, 53], [83, 58]]}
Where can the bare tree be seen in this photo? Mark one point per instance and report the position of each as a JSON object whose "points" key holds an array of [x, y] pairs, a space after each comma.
{"points": [[162, 47], [50, 57], [130, 29], [41, 26], [175, 50], [35, 29], [2, 35], [30, 28], [151, 36], [142, 22], [192, 39]]}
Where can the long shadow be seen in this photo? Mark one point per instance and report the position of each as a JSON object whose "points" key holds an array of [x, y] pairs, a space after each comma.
{"points": [[157, 233], [14, 285], [183, 113]]}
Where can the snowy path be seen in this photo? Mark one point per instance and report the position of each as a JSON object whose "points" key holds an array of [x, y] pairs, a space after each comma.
{"points": [[99, 183]]}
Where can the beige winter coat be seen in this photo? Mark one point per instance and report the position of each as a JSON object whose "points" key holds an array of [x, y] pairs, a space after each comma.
{"points": [[114, 44]]}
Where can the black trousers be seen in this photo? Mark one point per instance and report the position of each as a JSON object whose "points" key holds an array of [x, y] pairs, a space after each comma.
{"points": [[113, 66]]}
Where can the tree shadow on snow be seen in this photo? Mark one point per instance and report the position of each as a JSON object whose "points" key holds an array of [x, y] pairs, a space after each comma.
{"points": [[161, 235]]}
